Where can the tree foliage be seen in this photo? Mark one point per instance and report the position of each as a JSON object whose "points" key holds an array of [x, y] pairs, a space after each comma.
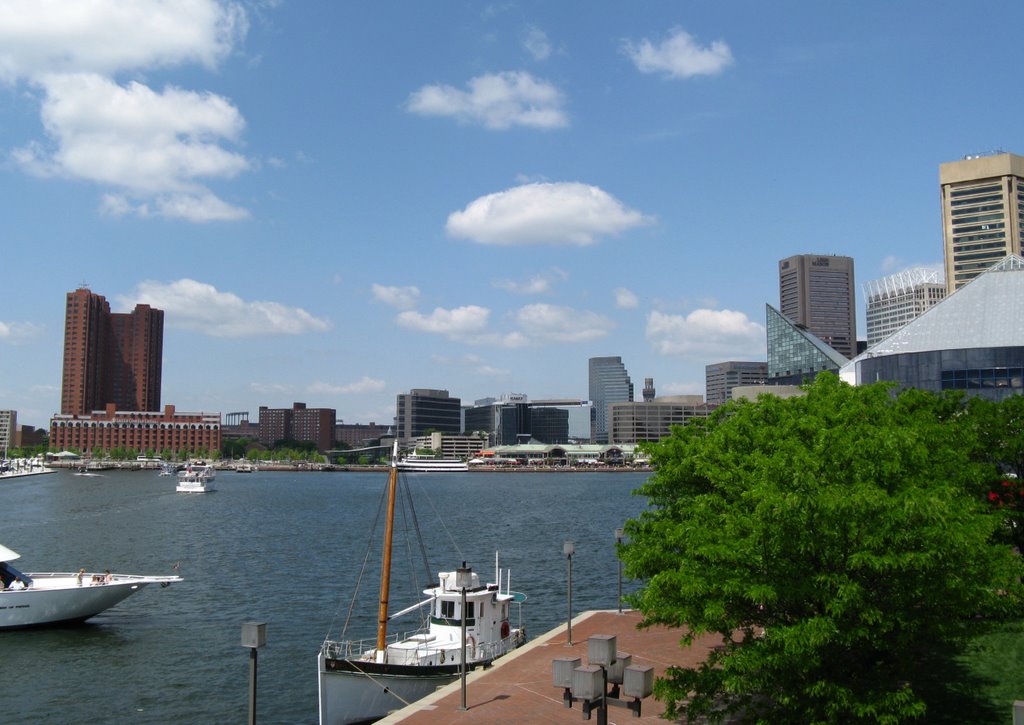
{"points": [[836, 541]]}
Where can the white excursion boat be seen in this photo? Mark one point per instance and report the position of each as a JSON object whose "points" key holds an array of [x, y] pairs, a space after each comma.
{"points": [[196, 478], [51, 598], [362, 681], [429, 464]]}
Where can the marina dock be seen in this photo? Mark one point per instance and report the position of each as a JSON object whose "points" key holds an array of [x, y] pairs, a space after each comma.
{"points": [[518, 688]]}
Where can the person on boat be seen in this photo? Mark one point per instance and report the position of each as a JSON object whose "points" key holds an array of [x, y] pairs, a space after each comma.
{"points": [[107, 577], [17, 584], [81, 573]]}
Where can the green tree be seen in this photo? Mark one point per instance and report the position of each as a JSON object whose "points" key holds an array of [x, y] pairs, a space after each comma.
{"points": [[835, 541]]}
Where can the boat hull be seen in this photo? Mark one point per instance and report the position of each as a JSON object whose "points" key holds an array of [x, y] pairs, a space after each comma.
{"points": [[43, 605], [357, 692]]}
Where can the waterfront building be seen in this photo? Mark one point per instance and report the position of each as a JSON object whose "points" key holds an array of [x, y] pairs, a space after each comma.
{"points": [[451, 445], [609, 383], [720, 378], [8, 429], [817, 293], [795, 355], [895, 300], [425, 410], [515, 419], [653, 420], [168, 430], [237, 425], [982, 213], [359, 435], [973, 341], [110, 357], [584, 455], [298, 423]]}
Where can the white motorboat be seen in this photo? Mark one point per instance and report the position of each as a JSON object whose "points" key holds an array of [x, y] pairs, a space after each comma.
{"points": [[51, 598], [196, 478], [362, 681], [429, 464]]}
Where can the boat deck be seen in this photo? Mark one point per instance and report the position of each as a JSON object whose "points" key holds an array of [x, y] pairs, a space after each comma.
{"points": [[518, 689]]}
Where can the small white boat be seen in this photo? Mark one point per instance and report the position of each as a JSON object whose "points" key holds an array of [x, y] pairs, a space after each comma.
{"points": [[196, 478], [428, 464], [362, 681], [51, 598], [245, 468]]}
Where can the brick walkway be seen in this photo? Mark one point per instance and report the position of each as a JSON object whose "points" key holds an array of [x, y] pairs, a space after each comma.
{"points": [[518, 689]]}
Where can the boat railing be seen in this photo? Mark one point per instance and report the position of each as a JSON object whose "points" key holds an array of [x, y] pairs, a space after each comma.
{"points": [[349, 648]]}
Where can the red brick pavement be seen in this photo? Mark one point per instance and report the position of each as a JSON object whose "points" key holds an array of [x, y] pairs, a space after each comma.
{"points": [[518, 689]]}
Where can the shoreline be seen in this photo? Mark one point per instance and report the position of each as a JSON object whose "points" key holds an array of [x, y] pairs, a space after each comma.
{"points": [[334, 468]]}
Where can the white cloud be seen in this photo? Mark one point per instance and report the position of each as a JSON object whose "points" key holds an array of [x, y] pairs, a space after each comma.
{"points": [[39, 37], [679, 56], [706, 334], [538, 284], [272, 388], [626, 299], [157, 148], [16, 331], [497, 101], [454, 323], [536, 43], [554, 323], [403, 298], [554, 213], [363, 385], [200, 307]]}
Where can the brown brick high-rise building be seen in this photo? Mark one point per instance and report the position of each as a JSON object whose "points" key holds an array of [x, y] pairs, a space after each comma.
{"points": [[110, 357]]}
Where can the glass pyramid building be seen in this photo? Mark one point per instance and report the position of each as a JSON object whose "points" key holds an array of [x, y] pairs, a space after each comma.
{"points": [[973, 341], [795, 355]]}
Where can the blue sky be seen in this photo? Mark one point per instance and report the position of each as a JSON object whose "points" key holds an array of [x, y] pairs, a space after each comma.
{"points": [[337, 202]]}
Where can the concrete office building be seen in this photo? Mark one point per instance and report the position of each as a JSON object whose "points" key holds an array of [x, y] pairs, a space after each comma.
{"points": [[653, 420], [8, 430], [895, 300], [424, 410], [110, 357], [982, 213], [721, 378], [609, 383], [971, 341], [817, 293]]}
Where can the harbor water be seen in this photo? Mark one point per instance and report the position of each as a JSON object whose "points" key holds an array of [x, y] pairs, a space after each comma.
{"points": [[281, 548]]}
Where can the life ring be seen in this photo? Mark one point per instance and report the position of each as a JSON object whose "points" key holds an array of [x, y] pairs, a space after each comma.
{"points": [[505, 629]]}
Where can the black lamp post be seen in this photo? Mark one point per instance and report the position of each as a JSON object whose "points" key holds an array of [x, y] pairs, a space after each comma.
{"points": [[464, 581], [569, 548], [254, 636], [618, 541]]}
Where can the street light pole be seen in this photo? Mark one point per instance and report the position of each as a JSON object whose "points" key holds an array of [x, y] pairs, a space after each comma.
{"points": [[463, 580], [569, 548], [254, 636], [618, 541]]}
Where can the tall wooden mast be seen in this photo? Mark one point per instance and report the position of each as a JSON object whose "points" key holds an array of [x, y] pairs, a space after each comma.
{"points": [[385, 566]]}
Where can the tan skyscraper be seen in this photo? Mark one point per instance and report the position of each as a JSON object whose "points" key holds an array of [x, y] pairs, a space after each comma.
{"points": [[816, 292], [982, 213]]}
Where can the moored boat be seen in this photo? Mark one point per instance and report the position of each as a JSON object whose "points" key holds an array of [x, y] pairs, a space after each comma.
{"points": [[18, 467], [52, 598], [428, 464], [196, 478], [362, 681]]}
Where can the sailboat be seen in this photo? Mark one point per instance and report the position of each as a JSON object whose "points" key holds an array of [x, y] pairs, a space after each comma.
{"points": [[363, 681]]}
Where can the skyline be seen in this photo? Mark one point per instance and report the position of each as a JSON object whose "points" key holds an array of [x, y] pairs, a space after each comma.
{"points": [[336, 204]]}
